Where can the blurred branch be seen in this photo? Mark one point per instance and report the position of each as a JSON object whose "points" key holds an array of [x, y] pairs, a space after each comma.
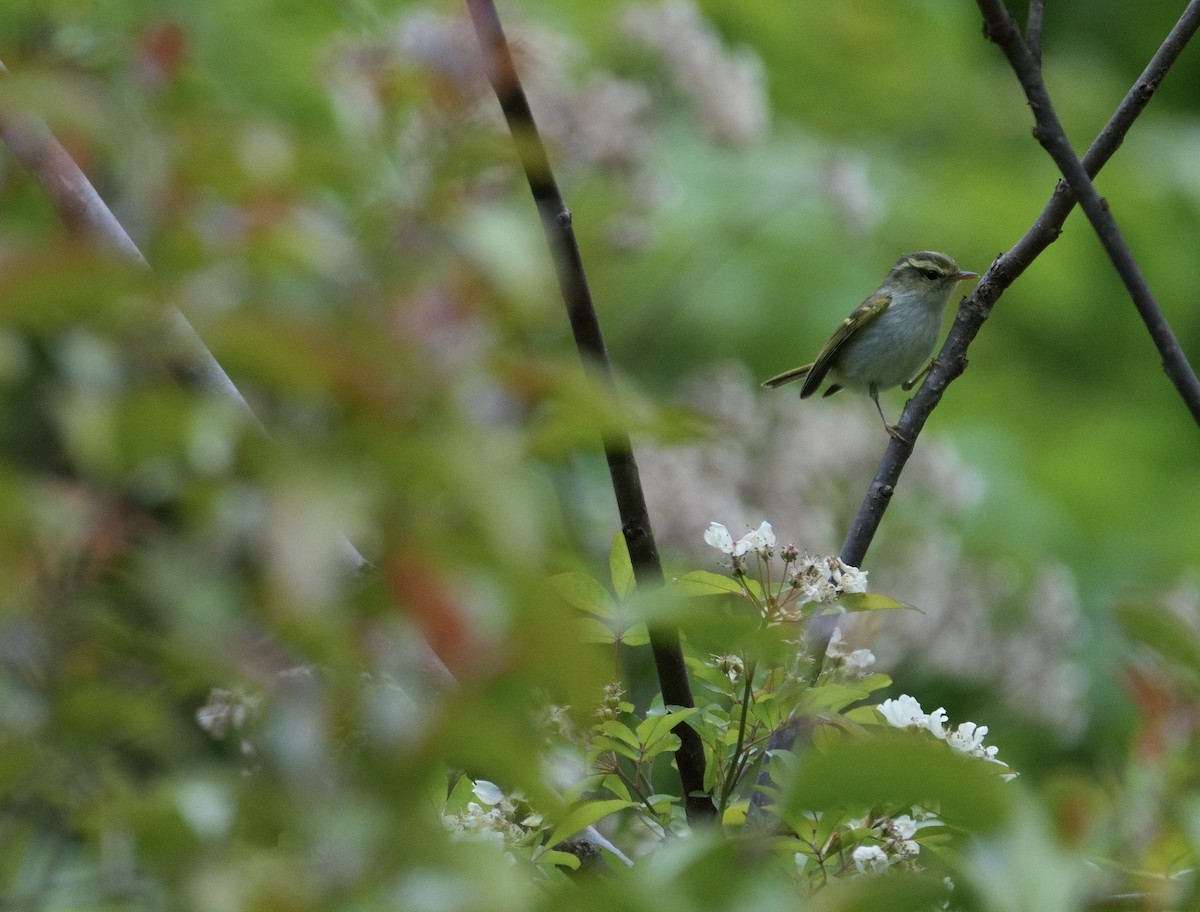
{"points": [[974, 311], [585, 325], [1000, 27], [82, 210]]}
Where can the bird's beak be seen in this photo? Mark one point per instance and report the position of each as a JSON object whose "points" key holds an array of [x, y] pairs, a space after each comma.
{"points": [[963, 275]]}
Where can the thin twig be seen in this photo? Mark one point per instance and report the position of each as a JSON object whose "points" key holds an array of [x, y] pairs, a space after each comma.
{"points": [[974, 311], [1002, 29], [84, 213], [585, 325]]}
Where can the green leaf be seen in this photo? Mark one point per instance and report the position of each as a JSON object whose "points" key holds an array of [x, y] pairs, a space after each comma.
{"points": [[654, 732], [837, 695], [864, 715], [901, 769], [871, 601], [593, 630], [635, 635], [584, 816], [618, 730], [703, 582], [616, 785], [581, 591], [621, 568], [558, 859], [662, 802], [603, 744]]}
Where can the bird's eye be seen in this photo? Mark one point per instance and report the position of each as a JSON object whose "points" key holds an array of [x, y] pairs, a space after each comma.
{"points": [[931, 274]]}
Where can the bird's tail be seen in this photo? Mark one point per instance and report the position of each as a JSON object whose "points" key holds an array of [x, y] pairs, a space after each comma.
{"points": [[795, 373]]}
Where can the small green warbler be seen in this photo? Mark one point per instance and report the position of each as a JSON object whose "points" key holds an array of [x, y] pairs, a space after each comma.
{"points": [[886, 340]]}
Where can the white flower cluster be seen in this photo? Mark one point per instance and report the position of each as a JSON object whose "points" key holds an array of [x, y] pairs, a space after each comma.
{"points": [[494, 817], [906, 712], [810, 578], [870, 859], [882, 841], [895, 841], [823, 579], [725, 86]]}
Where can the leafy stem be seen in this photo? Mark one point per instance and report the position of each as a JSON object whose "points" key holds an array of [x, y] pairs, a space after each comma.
{"points": [[737, 763]]}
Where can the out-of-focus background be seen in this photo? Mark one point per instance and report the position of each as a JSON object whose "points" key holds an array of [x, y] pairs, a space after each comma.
{"points": [[327, 192]]}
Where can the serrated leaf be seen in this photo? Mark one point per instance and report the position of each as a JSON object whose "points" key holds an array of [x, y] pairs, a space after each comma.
{"points": [[584, 816], [581, 591], [621, 568]]}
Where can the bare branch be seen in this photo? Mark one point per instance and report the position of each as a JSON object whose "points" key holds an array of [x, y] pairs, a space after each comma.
{"points": [[585, 325], [1033, 29], [1000, 28], [974, 311]]}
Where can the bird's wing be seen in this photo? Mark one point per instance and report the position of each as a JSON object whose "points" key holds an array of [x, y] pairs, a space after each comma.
{"points": [[864, 315]]}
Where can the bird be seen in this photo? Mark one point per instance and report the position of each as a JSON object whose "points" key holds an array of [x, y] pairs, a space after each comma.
{"points": [[888, 337]]}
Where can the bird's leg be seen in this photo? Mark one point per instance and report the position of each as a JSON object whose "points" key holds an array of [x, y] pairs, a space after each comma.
{"points": [[909, 384], [892, 429]]}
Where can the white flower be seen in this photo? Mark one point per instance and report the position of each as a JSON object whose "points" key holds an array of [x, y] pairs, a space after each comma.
{"points": [[905, 826], [936, 722], [853, 663], [968, 738], [900, 832], [870, 860], [859, 661], [903, 712], [811, 577], [760, 540], [718, 537], [487, 792], [845, 577]]}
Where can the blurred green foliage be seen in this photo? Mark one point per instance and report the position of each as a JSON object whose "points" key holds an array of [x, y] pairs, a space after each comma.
{"points": [[199, 709]]}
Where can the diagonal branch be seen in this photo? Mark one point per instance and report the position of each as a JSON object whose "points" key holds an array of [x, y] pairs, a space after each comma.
{"points": [[1033, 28], [1001, 28], [83, 212], [585, 325], [974, 311]]}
